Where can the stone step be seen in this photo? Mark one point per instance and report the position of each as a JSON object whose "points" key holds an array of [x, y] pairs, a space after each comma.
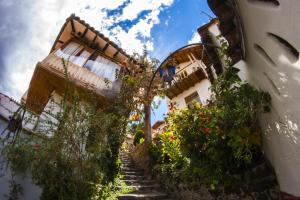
{"points": [[124, 156], [128, 159], [131, 173], [127, 166], [129, 182], [127, 163], [131, 170], [136, 177], [144, 187], [145, 196]]}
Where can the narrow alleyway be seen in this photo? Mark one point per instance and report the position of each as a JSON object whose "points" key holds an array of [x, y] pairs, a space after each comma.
{"points": [[143, 186]]}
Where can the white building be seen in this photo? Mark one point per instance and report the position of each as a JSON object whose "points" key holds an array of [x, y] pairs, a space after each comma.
{"points": [[94, 64], [193, 76], [264, 42]]}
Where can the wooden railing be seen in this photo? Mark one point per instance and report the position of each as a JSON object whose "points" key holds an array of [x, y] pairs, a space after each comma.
{"points": [[190, 69], [81, 75]]}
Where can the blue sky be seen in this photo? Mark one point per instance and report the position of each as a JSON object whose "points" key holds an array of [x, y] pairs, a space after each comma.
{"points": [[183, 18], [28, 29]]}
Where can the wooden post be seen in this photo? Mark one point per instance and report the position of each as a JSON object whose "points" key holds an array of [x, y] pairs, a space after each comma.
{"points": [[148, 134]]}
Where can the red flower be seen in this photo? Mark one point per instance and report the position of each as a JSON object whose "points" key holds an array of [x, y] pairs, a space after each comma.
{"points": [[172, 137], [37, 146], [207, 131], [136, 117]]}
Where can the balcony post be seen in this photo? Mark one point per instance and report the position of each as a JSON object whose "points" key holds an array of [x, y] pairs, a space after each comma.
{"points": [[147, 123]]}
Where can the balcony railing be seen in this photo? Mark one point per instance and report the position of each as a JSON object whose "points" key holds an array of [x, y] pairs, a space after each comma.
{"points": [[81, 76], [185, 78]]}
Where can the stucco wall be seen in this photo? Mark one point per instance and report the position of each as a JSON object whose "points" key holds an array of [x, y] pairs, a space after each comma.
{"points": [[203, 89], [280, 76], [30, 191], [272, 66]]}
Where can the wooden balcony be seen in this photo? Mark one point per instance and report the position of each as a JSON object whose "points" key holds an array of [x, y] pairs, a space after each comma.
{"points": [[178, 86], [49, 75]]}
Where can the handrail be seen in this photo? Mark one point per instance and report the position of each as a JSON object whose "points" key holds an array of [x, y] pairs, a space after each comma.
{"points": [[81, 74]]}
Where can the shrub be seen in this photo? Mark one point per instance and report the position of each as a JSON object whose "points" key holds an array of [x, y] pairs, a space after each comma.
{"points": [[210, 144], [138, 137]]}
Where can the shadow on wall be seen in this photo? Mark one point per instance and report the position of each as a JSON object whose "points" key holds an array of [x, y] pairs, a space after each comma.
{"points": [[281, 145]]}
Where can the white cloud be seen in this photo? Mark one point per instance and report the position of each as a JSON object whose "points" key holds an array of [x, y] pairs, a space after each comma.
{"points": [[44, 18], [135, 7], [195, 38], [139, 34]]}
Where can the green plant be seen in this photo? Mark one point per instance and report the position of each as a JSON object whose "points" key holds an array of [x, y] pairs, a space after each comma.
{"points": [[76, 156], [138, 137], [216, 141], [15, 190]]}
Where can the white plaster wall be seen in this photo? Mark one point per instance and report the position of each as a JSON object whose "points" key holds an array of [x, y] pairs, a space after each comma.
{"points": [[281, 79], [281, 126], [30, 190], [203, 89], [217, 39], [7, 108], [53, 106]]}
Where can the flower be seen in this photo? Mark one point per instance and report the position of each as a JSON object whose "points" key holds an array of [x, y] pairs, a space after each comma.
{"points": [[37, 146], [207, 131], [136, 117], [172, 137]]}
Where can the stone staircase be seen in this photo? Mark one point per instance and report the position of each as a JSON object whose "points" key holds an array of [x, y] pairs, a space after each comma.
{"points": [[143, 186]]}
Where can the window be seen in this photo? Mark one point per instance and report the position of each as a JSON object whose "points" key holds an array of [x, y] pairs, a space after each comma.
{"points": [[75, 53], [103, 68], [70, 51], [191, 99], [81, 56]]}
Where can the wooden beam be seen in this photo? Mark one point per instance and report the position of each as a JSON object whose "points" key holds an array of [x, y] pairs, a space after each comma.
{"points": [[115, 54], [73, 26], [84, 33], [95, 38], [59, 41], [105, 47]]}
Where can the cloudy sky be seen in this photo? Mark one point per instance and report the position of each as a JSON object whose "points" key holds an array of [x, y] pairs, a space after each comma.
{"points": [[28, 29]]}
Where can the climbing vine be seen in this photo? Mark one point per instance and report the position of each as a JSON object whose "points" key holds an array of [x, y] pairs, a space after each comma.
{"points": [[75, 154]]}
